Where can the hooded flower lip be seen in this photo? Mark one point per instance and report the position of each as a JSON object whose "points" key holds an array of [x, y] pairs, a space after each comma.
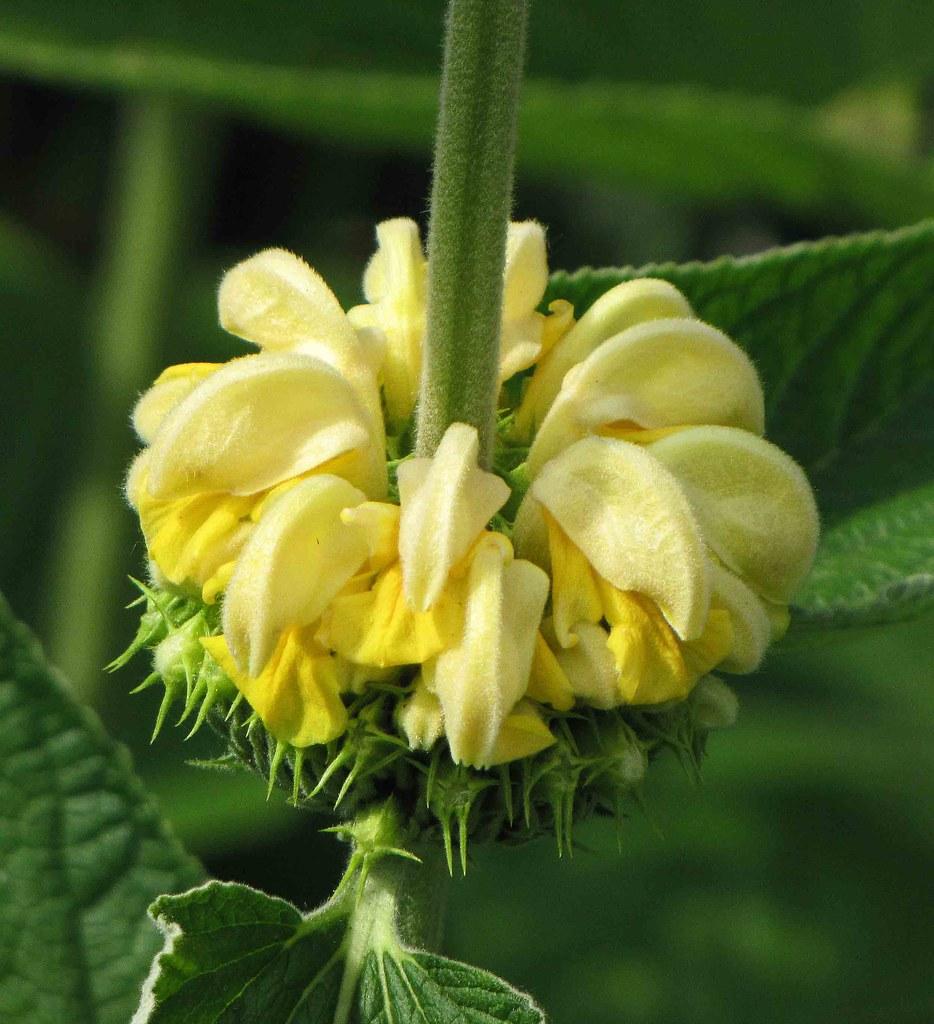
{"points": [[659, 536], [657, 374], [446, 501], [627, 515], [623, 306]]}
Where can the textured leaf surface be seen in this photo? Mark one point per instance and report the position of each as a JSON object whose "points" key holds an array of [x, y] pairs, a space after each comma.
{"points": [[841, 333], [83, 851], [698, 142], [877, 566], [237, 955]]}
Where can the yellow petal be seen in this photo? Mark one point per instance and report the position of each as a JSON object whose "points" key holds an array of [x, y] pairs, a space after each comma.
{"points": [[589, 665], [420, 718], [297, 558], [526, 273], [214, 587], [753, 502], [654, 665], [632, 302], [559, 321], [663, 373], [713, 645], [575, 594], [254, 423], [189, 539], [524, 282], [394, 284], [751, 623], [277, 301], [379, 627], [530, 534], [297, 694], [628, 516], [168, 390], [480, 679], [446, 501], [379, 522], [524, 733], [548, 683], [520, 344]]}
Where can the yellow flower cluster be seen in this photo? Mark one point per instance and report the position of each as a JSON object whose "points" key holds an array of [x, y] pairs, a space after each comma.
{"points": [[658, 535]]}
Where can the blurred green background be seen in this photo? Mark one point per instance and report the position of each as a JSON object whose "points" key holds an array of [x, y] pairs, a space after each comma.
{"points": [[147, 147]]}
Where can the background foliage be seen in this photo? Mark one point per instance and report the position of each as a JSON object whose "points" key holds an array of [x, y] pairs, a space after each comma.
{"points": [[149, 146]]}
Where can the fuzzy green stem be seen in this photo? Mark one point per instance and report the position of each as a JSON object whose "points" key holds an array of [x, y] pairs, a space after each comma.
{"points": [[150, 194], [420, 894], [471, 200]]}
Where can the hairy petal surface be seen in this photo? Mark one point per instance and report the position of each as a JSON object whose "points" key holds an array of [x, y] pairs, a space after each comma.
{"points": [[663, 373], [480, 679], [256, 422], [627, 514], [394, 284], [297, 692], [169, 389], [754, 504], [621, 307], [299, 556], [446, 501], [524, 283]]}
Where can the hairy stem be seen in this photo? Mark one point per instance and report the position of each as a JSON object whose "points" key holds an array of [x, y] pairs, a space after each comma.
{"points": [[471, 199]]}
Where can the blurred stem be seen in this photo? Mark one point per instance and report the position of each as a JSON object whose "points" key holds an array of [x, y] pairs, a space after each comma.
{"points": [[471, 200], [149, 193]]}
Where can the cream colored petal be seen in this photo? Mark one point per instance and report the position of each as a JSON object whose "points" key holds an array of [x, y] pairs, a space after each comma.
{"points": [[136, 478], [526, 273], [380, 524], [520, 345], [663, 373], [275, 300], [752, 626], [258, 421], [630, 303], [420, 718], [753, 502], [395, 287], [398, 263], [589, 666], [446, 502], [479, 680], [168, 390], [628, 515], [296, 560], [524, 733], [530, 534]]}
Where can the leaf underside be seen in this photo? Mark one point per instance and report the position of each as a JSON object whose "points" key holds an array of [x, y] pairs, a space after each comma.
{"points": [[83, 852]]}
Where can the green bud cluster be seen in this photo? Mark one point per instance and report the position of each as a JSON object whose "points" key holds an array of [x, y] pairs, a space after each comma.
{"points": [[596, 767]]}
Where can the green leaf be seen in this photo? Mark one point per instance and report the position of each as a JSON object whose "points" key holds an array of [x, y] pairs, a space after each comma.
{"points": [[233, 954], [877, 566], [840, 331], [83, 851], [693, 141]]}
